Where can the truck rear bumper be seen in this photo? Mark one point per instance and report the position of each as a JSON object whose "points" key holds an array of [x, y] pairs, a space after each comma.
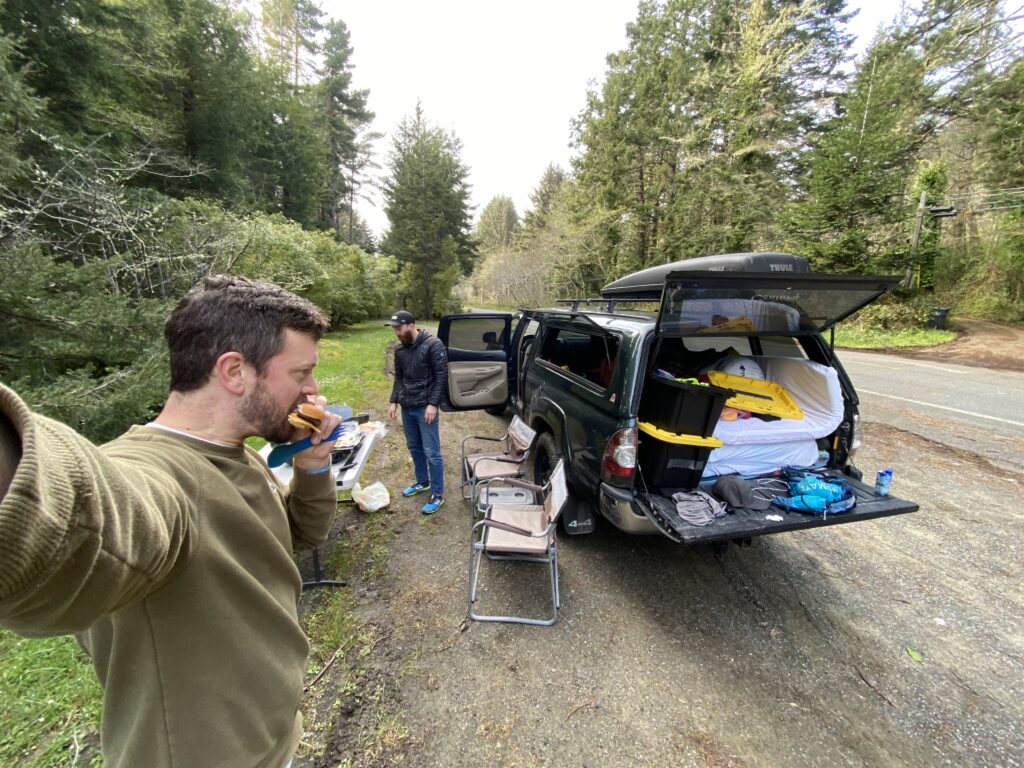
{"points": [[619, 507]]}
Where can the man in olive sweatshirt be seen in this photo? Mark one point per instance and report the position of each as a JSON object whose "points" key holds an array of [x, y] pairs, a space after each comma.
{"points": [[168, 551]]}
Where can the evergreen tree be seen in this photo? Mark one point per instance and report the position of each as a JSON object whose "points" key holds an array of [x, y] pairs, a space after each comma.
{"points": [[345, 114], [298, 158], [355, 170], [220, 91], [427, 205], [290, 36], [498, 225], [1001, 109], [859, 171], [98, 64], [543, 197], [693, 143], [19, 108]]}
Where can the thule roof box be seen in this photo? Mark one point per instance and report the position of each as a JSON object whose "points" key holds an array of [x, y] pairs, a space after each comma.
{"points": [[647, 284]]}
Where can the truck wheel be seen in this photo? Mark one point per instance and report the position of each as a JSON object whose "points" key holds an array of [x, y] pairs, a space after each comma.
{"points": [[545, 456]]}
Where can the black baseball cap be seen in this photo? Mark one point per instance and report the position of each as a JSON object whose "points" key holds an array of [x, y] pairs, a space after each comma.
{"points": [[401, 317]]}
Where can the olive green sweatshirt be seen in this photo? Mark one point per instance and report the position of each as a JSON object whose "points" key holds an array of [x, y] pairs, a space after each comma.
{"points": [[170, 558]]}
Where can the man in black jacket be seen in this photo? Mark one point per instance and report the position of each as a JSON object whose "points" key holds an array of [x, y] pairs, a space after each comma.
{"points": [[421, 376]]}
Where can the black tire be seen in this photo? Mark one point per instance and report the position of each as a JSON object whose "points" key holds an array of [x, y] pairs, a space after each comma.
{"points": [[545, 456]]}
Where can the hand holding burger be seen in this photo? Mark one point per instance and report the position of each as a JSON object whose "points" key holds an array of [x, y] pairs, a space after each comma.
{"points": [[311, 416], [307, 416]]}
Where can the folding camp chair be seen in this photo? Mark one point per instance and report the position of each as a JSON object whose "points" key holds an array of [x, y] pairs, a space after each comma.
{"points": [[510, 462], [524, 532]]}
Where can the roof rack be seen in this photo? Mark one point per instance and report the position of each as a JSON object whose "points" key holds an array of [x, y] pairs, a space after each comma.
{"points": [[609, 303]]}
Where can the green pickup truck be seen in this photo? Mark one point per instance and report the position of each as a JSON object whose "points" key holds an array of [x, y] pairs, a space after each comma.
{"points": [[616, 386]]}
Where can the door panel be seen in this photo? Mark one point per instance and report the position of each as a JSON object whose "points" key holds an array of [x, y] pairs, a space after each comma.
{"points": [[479, 384], [478, 353]]}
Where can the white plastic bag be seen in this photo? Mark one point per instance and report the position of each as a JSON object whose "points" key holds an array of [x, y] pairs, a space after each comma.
{"points": [[372, 497]]}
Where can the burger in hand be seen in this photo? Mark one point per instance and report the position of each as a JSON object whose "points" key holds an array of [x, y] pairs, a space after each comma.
{"points": [[307, 416]]}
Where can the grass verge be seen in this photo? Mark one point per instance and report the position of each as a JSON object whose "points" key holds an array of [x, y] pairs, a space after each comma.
{"points": [[870, 338]]}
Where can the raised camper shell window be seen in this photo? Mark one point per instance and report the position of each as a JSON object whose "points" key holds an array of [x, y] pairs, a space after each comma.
{"points": [[764, 303]]}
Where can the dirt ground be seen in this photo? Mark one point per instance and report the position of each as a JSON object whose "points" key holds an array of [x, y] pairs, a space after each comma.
{"points": [[978, 342], [894, 641]]}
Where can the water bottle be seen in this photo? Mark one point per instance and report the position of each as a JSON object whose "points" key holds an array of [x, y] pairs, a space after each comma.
{"points": [[882, 482]]}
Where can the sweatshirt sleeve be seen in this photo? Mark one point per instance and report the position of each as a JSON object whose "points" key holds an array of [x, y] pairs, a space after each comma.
{"points": [[439, 367], [312, 502], [82, 533]]}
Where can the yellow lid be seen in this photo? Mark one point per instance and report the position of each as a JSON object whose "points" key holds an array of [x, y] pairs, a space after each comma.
{"points": [[671, 437], [757, 395]]}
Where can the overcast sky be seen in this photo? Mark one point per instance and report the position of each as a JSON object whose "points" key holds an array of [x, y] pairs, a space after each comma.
{"points": [[506, 78]]}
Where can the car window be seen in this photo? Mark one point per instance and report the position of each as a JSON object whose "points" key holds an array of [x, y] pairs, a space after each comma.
{"points": [[589, 356], [485, 334]]}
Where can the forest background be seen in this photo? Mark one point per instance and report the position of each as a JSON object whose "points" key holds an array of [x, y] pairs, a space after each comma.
{"points": [[146, 144]]}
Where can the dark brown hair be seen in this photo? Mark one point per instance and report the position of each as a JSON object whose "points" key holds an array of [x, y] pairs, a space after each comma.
{"points": [[225, 313]]}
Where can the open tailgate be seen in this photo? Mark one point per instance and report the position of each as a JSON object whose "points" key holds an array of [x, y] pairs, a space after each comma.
{"points": [[745, 523]]}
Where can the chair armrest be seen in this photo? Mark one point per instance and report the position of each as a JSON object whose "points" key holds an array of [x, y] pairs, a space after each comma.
{"points": [[511, 481], [504, 527], [505, 460], [489, 523], [462, 446]]}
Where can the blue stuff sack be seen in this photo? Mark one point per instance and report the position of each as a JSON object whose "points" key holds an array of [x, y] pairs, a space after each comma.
{"points": [[814, 486], [818, 496]]}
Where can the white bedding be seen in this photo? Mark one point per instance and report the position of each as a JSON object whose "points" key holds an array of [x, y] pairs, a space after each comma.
{"points": [[752, 446]]}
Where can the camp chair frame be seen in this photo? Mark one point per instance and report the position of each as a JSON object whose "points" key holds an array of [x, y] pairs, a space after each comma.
{"points": [[503, 534], [517, 442]]}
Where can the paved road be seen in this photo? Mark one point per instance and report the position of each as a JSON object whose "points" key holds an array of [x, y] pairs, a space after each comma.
{"points": [[970, 408]]}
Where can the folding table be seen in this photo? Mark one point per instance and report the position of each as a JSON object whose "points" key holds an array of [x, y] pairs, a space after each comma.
{"points": [[346, 467]]}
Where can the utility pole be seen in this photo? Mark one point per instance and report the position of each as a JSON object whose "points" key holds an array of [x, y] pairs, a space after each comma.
{"points": [[917, 239]]}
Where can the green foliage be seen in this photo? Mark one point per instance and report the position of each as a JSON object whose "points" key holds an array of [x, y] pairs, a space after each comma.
{"points": [[691, 145], [76, 351], [19, 107], [856, 191], [344, 114], [498, 225], [1001, 108], [427, 199], [893, 321], [347, 283], [892, 313], [543, 197], [85, 347]]}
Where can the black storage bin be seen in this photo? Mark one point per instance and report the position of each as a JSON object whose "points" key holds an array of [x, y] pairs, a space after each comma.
{"points": [[686, 409], [669, 465]]}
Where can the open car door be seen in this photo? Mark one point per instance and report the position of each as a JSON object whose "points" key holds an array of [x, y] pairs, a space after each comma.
{"points": [[478, 359]]}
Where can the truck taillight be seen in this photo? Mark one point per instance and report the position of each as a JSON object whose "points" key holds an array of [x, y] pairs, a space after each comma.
{"points": [[855, 438], [619, 459]]}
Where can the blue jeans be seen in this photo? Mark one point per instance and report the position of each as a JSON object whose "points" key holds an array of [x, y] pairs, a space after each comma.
{"points": [[424, 441]]}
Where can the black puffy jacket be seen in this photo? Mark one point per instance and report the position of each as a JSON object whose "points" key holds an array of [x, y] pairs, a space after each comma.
{"points": [[421, 372]]}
